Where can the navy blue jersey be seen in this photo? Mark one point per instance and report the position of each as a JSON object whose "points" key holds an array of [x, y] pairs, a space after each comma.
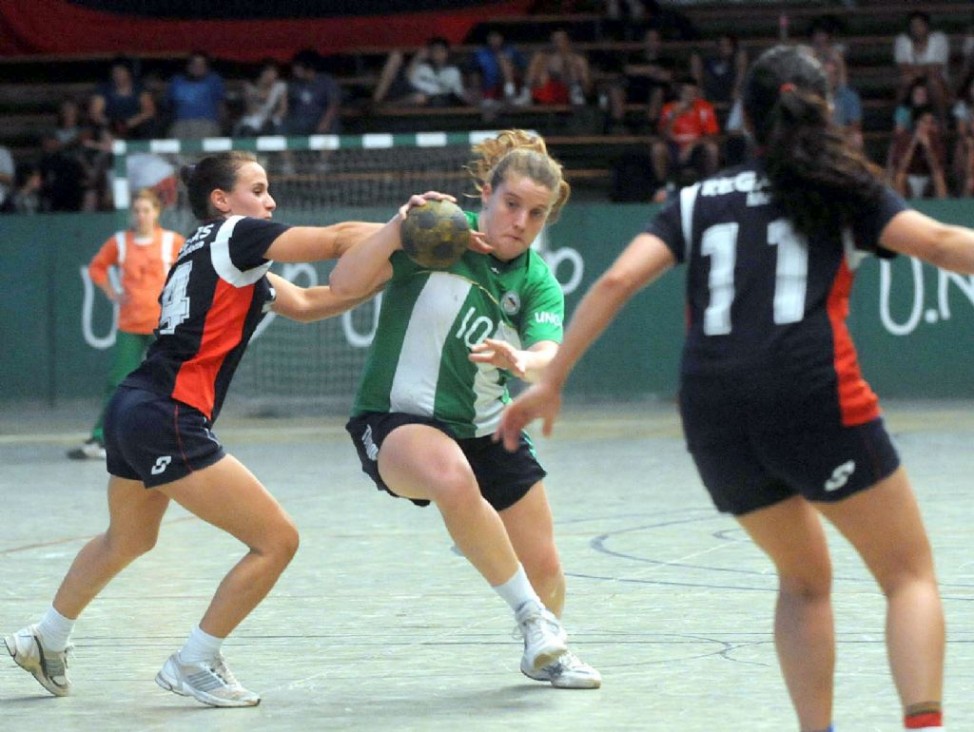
{"points": [[762, 298], [216, 294]]}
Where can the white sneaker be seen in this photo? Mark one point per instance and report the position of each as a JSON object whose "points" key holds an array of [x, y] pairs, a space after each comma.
{"points": [[567, 672], [50, 668], [210, 682], [89, 450], [544, 638]]}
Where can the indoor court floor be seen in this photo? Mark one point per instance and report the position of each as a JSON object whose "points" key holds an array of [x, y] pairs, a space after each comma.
{"points": [[379, 625]]}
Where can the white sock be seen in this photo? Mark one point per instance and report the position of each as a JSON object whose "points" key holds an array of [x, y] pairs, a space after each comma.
{"points": [[55, 629], [518, 590], [200, 646]]}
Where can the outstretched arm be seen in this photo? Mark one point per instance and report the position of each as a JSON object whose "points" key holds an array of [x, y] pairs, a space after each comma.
{"points": [[942, 245], [314, 243], [645, 259], [526, 365], [308, 304]]}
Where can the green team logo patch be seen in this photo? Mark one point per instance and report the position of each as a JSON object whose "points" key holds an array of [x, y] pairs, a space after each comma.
{"points": [[511, 303]]}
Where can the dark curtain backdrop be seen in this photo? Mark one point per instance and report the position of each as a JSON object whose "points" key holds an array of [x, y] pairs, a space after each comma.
{"points": [[245, 30]]}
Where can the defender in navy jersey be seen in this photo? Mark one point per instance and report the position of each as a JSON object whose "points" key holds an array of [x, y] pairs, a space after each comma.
{"points": [[778, 419], [446, 346], [158, 425]]}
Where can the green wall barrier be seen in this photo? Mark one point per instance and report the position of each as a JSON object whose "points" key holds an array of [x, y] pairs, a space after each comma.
{"points": [[911, 322]]}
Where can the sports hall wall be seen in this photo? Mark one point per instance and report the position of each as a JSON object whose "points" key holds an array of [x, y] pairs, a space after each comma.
{"points": [[914, 325]]}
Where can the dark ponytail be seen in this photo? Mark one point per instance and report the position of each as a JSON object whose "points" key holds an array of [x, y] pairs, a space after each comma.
{"points": [[218, 171], [816, 176]]}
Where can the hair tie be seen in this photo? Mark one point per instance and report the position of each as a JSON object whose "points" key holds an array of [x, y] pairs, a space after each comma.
{"points": [[787, 87]]}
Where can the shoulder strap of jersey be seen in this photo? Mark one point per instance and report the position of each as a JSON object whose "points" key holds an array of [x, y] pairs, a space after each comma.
{"points": [[120, 244]]}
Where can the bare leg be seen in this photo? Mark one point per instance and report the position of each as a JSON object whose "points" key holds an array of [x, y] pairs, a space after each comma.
{"points": [[134, 518], [417, 461], [530, 526], [885, 527], [791, 534], [228, 496]]}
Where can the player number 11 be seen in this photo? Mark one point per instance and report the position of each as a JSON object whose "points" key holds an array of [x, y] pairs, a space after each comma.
{"points": [[719, 242]]}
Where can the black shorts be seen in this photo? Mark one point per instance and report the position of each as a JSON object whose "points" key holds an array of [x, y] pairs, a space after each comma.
{"points": [[504, 477], [751, 455], [155, 439]]}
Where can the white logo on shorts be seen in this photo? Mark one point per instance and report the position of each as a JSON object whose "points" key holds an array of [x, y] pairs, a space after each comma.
{"points": [[161, 464], [840, 476], [370, 448]]}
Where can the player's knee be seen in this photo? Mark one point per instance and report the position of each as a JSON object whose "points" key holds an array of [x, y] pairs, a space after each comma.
{"points": [[808, 586], [455, 489]]}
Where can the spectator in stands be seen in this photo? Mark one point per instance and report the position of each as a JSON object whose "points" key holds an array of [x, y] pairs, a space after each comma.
{"points": [[846, 104], [7, 172], [923, 54], [967, 53], [430, 79], [63, 176], [497, 70], [918, 158], [918, 96], [197, 99], [314, 98], [822, 32], [720, 73], [265, 103], [963, 114], [122, 104], [646, 78], [559, 74], [25, 196], [688, 127]]}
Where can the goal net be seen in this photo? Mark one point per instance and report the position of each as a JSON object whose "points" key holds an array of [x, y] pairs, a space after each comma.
{"points": [[296, 368]]}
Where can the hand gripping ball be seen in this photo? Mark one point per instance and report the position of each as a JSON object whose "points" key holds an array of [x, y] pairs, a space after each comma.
{"points": [[435, 235]]}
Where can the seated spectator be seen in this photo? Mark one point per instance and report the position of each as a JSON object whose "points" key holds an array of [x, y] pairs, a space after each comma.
{"points": [[7, 172], [688, 126], [122, 104], [497, 71], [923, 55], [646, 78], [822, 32], [265, 103], [963, 114], [430, 79], [314, 98], [917, 97], [559, 74], [25, 196], [918, 158], [846, 104], [720, 73], [63, 178], [197, 100]]}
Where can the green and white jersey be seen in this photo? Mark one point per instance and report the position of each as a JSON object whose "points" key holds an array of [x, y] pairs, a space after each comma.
{"points": [[419, 360]]}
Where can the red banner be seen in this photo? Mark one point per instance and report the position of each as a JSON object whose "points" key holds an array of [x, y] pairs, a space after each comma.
{"points": [[61, 28]]}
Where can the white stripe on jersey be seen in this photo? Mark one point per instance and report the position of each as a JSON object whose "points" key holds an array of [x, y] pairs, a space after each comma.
{"points": [[688, 199], [414, 384], [224, 266], [853, 256]]}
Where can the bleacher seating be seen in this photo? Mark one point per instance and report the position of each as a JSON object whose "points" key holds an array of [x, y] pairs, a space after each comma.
{"points": [[30, 92]]}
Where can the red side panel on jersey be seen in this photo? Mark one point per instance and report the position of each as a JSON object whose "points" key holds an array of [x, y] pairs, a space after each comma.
{"points": [[223, 331], [857, 402]]}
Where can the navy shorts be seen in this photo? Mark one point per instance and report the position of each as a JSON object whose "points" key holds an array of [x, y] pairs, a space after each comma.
{"points": [[155, 439], [752, 453], [504, 477]]}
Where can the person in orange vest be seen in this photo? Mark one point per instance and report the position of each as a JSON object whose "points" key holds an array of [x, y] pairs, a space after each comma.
{"points": [[141, 256]]}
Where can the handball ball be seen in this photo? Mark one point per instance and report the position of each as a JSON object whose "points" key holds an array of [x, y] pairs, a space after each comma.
{"points": [[435, 235]]}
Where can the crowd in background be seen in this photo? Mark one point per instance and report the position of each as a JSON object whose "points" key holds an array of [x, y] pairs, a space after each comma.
{"points": [[685, 105]]}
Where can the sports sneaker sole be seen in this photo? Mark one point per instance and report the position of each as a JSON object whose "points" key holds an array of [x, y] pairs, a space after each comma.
{"points": [[203, 698], [35, 669]]}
